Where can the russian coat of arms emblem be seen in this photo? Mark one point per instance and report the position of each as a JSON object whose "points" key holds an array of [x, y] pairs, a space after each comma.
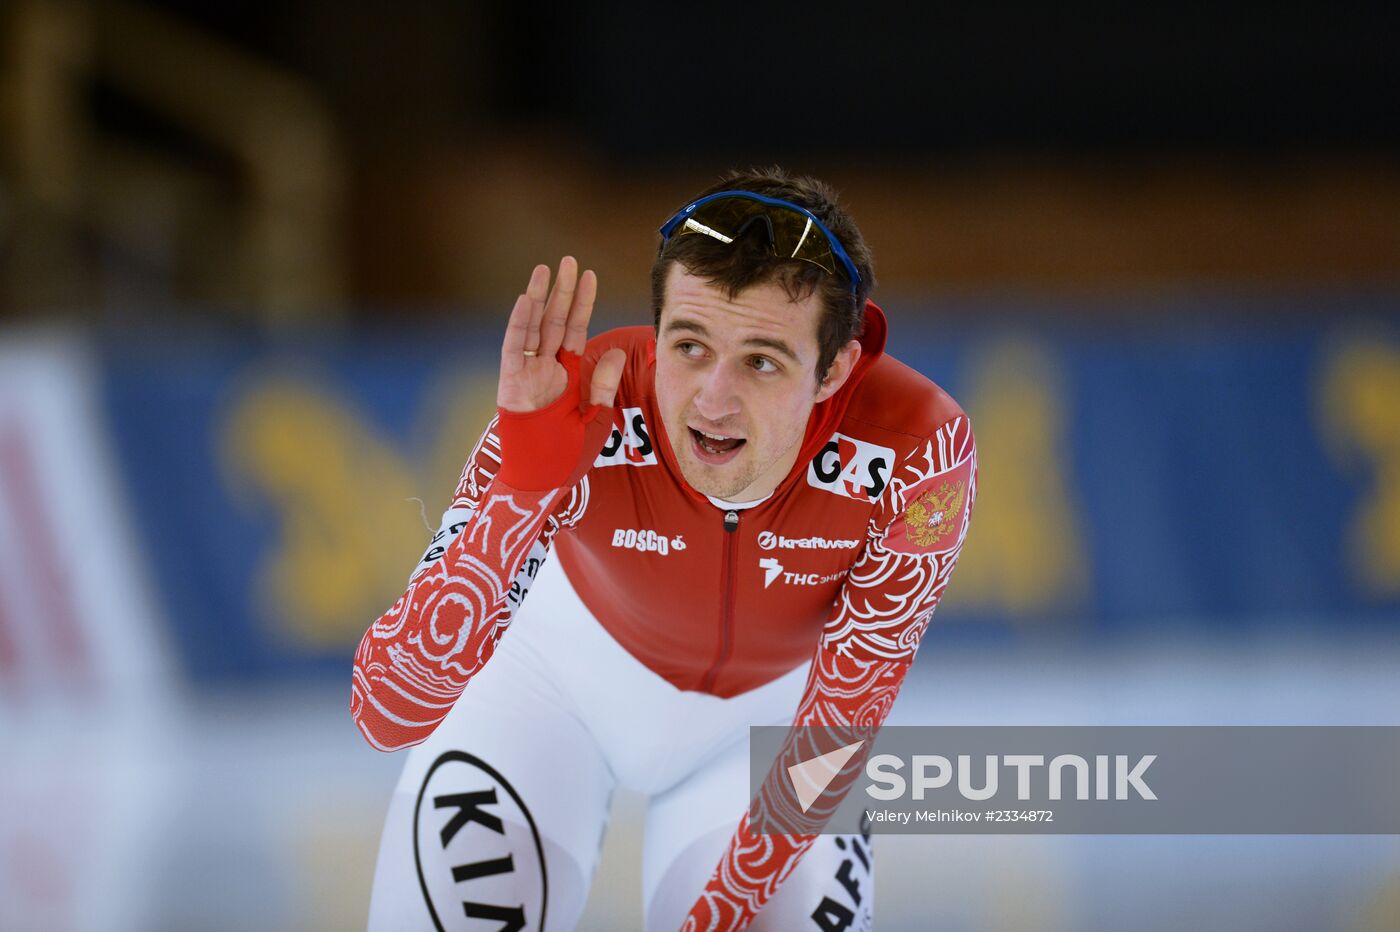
{"points": [[933, 515]]}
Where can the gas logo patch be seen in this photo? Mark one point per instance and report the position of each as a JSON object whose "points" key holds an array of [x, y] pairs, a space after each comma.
{"points": [[851, 468], [629, 445]]}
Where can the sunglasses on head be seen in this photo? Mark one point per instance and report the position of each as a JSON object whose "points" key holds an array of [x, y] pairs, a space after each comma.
{"points": [[794, 232]]}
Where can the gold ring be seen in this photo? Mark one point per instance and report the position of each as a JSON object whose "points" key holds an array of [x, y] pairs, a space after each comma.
{"points": [[530, 352]]}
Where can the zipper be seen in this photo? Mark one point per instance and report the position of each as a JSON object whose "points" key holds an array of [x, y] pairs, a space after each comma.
{"points": [[726, 610]]}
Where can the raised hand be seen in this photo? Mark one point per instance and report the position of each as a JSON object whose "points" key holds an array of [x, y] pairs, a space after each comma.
{"points": [[543, 321]]}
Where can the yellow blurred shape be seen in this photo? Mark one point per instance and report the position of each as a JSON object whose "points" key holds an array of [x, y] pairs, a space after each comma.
{"points": [[347, 536], [349, 528], [1024, 554], [1360, 413]]}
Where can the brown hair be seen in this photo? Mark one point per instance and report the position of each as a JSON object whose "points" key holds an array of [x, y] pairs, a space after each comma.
{"points": [[750, 261]]}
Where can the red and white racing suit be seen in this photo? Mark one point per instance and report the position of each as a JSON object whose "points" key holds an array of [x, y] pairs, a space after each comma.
{"points": [[836, 573]]}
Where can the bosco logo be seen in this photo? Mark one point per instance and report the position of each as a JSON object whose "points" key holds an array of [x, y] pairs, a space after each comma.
{"points": [[645, 541], [851, 468], [629, 445]]}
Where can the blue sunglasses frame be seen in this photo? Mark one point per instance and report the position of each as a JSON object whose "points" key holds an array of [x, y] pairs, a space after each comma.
{"points": [[669, 227]]}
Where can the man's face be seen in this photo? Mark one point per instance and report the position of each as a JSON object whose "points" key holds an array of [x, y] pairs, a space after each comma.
{"points": [[736, 381]]}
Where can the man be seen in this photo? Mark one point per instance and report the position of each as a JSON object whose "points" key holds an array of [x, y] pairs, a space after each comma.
{"points": [[754, 511]]}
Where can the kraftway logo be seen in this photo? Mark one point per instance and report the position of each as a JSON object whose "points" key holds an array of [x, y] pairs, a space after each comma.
{"points": [[630, 445], [773, 570], [851, 468], [767, 540]]}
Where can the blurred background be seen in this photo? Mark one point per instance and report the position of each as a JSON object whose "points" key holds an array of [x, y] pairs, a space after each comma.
{"points": [[254, 262]]}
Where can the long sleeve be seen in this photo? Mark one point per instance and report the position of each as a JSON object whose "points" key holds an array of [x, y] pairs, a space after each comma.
{"points": [[416, 659], [866, 649]]}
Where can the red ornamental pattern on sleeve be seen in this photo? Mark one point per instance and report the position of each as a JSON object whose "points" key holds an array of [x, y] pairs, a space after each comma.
{"points": [[416, 659], [481, 469], [849, 695], [892, 589]]}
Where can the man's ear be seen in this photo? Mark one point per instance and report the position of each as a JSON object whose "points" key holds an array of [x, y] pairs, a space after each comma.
{"points": [[841, 368]]}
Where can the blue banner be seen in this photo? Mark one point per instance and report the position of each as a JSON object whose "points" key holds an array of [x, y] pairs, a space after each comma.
{"points": [[1233, 477]]}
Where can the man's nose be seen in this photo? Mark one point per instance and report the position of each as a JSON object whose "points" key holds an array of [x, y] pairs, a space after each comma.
{"points": [[717, 398]]}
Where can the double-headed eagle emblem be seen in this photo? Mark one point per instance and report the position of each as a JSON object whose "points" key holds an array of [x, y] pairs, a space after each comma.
{"points": [[933, 515]]}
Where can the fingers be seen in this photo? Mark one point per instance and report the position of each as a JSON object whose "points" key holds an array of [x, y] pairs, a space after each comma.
{"points": [[556, 311], [607, 375], [517, 331], [536, 292], [545, 319], [576, 328]]}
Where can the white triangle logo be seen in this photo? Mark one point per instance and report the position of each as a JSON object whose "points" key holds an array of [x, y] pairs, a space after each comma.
{"points": [[811, 777], [772, 569]]}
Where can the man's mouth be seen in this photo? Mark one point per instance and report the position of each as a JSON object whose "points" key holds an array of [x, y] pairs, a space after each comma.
{"points": [[715, 449]]}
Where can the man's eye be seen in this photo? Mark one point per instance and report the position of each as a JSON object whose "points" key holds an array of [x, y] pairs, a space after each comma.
{"points": [[763, 364], [688, 348]]}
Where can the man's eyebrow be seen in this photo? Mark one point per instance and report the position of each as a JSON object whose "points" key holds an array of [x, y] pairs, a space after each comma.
{"points": [[697, 328], [693, 326], [777, 345]]}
